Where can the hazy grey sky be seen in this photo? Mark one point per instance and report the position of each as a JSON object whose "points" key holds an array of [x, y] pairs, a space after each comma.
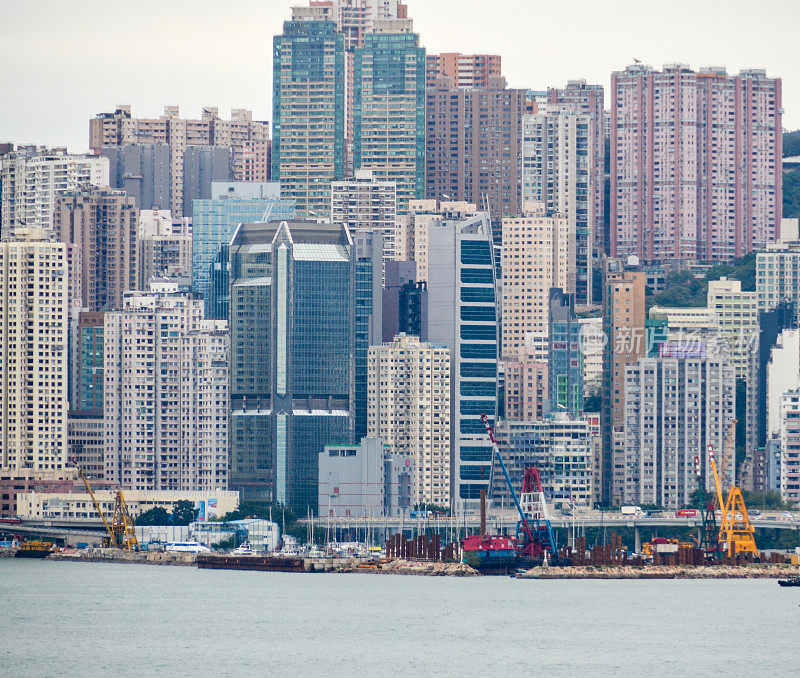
{"points": [[61, 61]]}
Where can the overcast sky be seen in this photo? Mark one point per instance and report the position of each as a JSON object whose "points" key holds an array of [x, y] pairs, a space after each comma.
{"points": [[61, 61]]}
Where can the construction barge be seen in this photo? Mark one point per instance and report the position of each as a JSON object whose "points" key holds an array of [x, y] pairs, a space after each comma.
{"points": [[255, 563]]}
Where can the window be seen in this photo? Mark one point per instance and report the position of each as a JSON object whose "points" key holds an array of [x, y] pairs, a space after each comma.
{"points": [[477, 276]]}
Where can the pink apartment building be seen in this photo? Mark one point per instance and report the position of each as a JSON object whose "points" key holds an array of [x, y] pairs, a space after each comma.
{"points": [[695, 163]]}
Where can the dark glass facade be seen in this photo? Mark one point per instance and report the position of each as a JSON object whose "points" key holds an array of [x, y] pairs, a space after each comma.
{"points": [[292, 324]]}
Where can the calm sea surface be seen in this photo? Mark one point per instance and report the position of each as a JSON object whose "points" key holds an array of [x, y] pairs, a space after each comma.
{"points": [[86, 619]]}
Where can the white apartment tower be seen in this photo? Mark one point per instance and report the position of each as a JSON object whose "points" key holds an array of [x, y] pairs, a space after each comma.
{"points": [[366, 203], [409, 408], [559, 170], [674, 409], [790, 447], [31, 178], [165, 393], [33, 354], [538, 254]]}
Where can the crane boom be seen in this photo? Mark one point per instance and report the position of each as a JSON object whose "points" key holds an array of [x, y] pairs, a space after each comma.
{"points": [[716, 476], [496, 447], [96, 505]]}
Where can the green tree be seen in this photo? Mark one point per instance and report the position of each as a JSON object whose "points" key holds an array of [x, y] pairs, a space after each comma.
{"points": [[183, 513], [682, 289], [791, 194], [592, 403], [768, 500], [791, 144], [154, 516], [433, 508]]}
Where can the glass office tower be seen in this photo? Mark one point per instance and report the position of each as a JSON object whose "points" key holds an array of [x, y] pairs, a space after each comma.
{"points": [[292, 323]]}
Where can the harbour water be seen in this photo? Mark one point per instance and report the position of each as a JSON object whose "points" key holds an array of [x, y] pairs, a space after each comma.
{"points": [[88, 619]]}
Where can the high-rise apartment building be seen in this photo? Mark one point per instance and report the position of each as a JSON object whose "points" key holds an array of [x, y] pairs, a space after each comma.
{"points": [[308, 101], [526, 389], [142, 171], [730, 322], [695, 163], [789, 437], [292, 320], [625, 343], [85, 441], [356, 18], [558, 170], [163, 247], [33, 354], [412, 229], [561, 447], [462, 315], [474, 143], [465, 70], [165, 394], [248, 139], [409, 409], [101, 223], [214, 222], [389, 108], [778, 271], [367, 203], [31, 178], [674, 409], [565, 359], [538, 254], [589, 100]]}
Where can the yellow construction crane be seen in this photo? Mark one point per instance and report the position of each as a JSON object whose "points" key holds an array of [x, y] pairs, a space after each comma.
{"points": [[121, 534], [736, 532]]}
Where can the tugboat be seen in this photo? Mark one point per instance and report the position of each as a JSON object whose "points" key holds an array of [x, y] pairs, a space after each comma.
{"points": [[34, 549], [789, 582]]}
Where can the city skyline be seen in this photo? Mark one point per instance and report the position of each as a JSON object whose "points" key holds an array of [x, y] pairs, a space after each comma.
{"points": [[200, 74]]}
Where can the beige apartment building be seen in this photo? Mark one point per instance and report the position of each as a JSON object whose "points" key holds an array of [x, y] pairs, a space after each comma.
{"points": [[526, 389], [248, 139], [165, 392], [367, 203], [100, 226], [412, 229], [33, 354], [408, 406], [538, 254], [465, 70]]}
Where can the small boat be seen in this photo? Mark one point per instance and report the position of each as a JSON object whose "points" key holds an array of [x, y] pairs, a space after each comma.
{"points": [[789, 582], [186, 547], [243, 550], [34, 549]]}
